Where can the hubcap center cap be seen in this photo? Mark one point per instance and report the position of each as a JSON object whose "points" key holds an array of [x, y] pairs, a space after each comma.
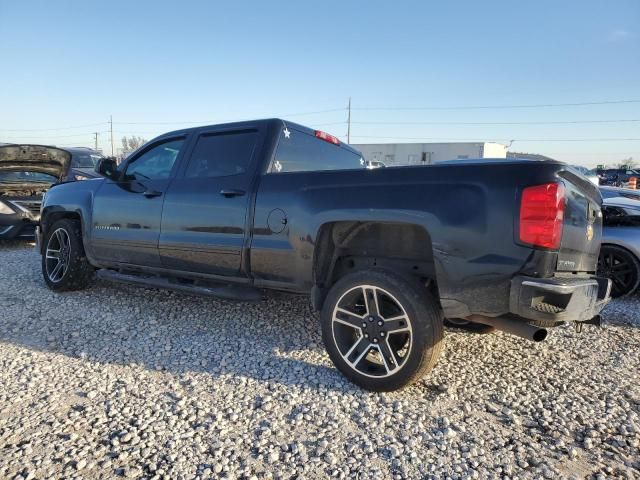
{"points": [[375, 328]]}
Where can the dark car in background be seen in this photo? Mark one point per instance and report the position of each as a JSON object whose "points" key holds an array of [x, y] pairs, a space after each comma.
{"points": [[83, 163], [617, 177], [26, 173]]}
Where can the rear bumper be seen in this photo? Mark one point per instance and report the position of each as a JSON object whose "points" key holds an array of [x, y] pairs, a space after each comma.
{"points": [[560, 299]]}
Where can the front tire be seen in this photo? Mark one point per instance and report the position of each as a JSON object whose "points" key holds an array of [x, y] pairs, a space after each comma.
{"points": [[383, 331], [64, 264]]}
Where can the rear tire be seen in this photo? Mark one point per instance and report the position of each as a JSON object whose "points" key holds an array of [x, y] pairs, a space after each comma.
{"points": [[383, 331], [622, 267], [64, 264]]}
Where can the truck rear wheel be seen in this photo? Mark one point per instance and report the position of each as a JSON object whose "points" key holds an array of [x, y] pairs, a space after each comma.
{"points": [[64, 263], [382, 331]]}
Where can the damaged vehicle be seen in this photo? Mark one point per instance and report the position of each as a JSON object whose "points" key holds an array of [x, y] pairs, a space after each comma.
{"points": [[26, 173], [384, 254]]}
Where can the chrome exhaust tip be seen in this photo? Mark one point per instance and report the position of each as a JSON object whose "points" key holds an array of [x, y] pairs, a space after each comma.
{"points": [[517, 327]]}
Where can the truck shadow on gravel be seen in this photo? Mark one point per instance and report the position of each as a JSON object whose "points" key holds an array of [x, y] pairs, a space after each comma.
{"points": [[277, 340]]}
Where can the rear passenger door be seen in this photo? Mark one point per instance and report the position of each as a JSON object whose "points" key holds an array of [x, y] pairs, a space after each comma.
{"points": [[204, 218]]}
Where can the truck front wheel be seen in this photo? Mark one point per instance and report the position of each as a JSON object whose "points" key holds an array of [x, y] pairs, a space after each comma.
{"points": [[382, 330], [64, 263]]}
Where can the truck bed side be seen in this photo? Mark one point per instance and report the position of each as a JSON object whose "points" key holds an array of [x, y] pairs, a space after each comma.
{"points": [[452, 223]]}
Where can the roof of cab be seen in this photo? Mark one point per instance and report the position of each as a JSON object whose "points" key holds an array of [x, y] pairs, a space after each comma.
{"points": [[276, 122]]}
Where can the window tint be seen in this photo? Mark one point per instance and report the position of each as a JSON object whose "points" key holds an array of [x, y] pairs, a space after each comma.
{"points": [[222, 154], [302, 152], [155, 164]]}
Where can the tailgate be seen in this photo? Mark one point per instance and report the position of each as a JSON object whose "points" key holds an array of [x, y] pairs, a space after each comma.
{"points": [[582, 230]]}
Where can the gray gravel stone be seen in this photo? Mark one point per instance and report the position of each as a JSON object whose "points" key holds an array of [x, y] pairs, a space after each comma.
{"points": [[142, 383]]}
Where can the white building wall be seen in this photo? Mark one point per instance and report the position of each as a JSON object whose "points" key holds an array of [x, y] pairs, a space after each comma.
{"points": [[495, 150], [428, 153]]}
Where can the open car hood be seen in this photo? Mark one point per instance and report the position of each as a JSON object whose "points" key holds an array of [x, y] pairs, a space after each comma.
{"points": [[35, 158]]}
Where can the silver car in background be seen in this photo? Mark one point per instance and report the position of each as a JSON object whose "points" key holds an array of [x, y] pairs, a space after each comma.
{"points": [[620, 252]]}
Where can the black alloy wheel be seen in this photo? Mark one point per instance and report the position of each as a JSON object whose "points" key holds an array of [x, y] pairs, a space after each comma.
{"points": [[64, 263], [622, 267], [57, 255]]}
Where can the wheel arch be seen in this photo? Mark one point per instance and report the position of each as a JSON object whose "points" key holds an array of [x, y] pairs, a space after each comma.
{"points": [[52, 217], [346, 246], [634, 255], [622, 246]]}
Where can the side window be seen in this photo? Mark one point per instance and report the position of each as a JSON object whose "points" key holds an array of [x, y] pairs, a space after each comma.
{"points": [[222, 154], [301, 152], [155, 164]]}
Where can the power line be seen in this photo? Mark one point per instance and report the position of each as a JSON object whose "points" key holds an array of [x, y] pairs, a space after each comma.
{"points": [[51, 129], [498, 107], [514, 139], [86, 134], [205, 122], [550, 122]]}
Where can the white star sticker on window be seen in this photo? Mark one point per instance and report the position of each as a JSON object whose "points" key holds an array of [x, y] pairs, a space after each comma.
{"points": [[287, 133]]}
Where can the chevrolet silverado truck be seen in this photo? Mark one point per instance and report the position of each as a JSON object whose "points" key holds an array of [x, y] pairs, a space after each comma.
{"points": [[384, 254]]}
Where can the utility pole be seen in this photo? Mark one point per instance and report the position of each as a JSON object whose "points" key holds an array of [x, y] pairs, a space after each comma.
{"points": [[349, 122], [111, 129], [95, 134]]}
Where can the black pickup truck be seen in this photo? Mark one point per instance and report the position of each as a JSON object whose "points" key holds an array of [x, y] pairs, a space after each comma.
{"points": [[385, 254]]}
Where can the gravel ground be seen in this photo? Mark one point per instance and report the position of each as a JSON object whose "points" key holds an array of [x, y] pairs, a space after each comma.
{"points": [[132, 382]]}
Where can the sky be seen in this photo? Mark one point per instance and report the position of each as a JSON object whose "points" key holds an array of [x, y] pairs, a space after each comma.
{"points": [[412, 70]]}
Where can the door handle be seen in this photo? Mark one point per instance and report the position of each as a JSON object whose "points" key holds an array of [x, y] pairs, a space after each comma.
{"points": [[232, 193], [152, 193]]}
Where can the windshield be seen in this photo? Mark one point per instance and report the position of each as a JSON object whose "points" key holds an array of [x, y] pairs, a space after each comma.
{"points": [[27, 177], [85, 160]]}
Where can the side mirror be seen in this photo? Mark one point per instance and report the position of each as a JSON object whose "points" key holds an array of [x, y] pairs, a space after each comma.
{"points": [[107, 167]]}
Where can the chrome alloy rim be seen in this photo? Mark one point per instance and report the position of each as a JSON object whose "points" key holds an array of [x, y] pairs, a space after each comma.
{"points": [[372, 331], [58, 255]]}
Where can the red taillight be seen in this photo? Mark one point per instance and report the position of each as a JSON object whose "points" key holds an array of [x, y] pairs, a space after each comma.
{"points": [[542, 215], [327, 138]]}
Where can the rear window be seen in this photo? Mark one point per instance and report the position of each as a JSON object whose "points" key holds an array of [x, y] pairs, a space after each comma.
{"points": [[85, 160], [301, 152]]}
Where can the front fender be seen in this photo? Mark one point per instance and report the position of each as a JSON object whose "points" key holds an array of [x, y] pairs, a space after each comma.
{"points": [[70, 200]]}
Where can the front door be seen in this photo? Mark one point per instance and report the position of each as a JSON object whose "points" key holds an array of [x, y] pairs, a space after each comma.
{"points": [[127, 212], [204, 219]]}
